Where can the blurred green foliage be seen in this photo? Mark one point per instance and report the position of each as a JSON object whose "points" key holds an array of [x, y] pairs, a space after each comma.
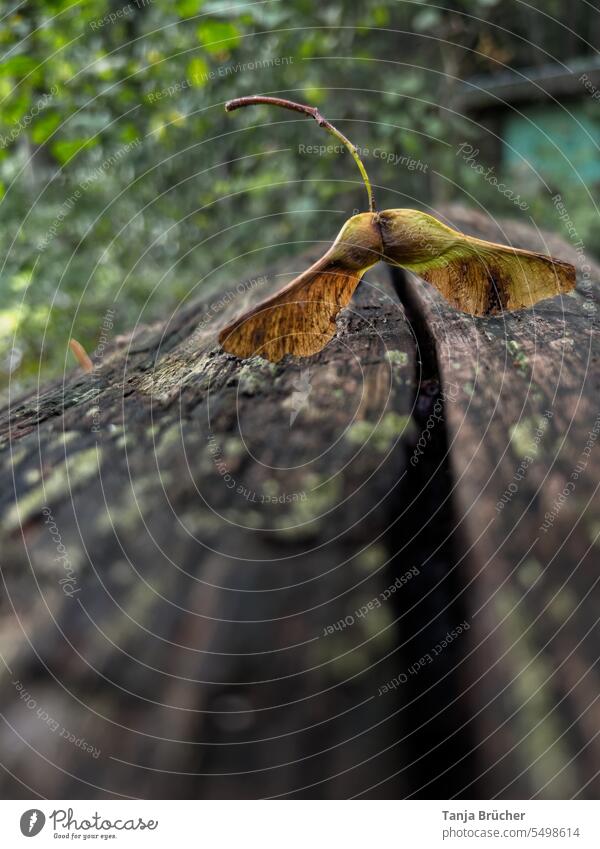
{"points": [[125, 185]]}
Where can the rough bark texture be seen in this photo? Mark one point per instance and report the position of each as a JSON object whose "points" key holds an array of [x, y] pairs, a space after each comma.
{"points": [[212, 568]]}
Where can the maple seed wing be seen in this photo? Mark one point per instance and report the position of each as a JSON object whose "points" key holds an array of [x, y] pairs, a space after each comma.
{"points": [[478, 277], [486, 279], [298, 320]]}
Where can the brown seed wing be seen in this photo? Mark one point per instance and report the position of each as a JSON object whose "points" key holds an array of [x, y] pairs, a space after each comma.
{"points": [[483, 278], [299, 319]]}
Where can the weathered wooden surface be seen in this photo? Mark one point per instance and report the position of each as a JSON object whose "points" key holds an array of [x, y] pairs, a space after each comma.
{"points": [[213, 544], [187, 631], [523, 421]]}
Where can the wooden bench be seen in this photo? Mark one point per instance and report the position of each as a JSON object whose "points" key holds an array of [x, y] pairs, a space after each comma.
{"points": [[371, 573]]}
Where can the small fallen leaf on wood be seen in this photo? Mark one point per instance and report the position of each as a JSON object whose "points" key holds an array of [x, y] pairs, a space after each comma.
{"points": [[478, 277], [81, 355]]}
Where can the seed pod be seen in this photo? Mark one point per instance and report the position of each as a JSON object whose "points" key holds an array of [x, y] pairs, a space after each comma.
{"points": [[300, 318], [477, 277]]}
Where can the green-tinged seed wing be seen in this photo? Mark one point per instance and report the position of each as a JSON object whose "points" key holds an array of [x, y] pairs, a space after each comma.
{"points": [[475, 276]]}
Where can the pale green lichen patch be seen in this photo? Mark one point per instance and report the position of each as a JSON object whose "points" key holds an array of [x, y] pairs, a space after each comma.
{"points": [[519, 358], [83, 465], [309, 507], [271, 487], [203, 521], [31, 476], [529, 572], [233, 447], [245, 518], [594, 529], [377, 624], [125, 440], [17, 452], [170, 436], [319, 498], [563, 605], [122, 517], [532, 697], [255, 375], [77, 469], [65, 437], [371, 558], [148, 484], [397, 359], [525, 436], [381, 435], [337, 656]]}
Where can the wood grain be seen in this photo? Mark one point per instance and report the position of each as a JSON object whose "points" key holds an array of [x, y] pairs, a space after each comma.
{"points": [[522, 429], [212, 545]]}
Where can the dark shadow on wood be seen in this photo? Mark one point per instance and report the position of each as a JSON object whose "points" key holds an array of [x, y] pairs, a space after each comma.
{"points": [[440, 744]]}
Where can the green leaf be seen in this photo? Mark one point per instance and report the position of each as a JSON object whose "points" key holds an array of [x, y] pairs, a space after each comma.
{"points": [[188, 8], [198, 72], [128, 133], [65, 150], [218, 36], [45, 126], [17, 66]]}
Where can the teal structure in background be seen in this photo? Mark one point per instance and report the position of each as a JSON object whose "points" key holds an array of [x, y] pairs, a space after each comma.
{"points": [[560, 143]]}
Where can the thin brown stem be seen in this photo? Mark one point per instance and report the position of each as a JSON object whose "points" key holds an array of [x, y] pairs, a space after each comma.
{"points": [[311, 112]]}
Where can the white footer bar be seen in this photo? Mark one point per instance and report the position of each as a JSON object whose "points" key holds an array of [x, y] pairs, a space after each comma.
{"points": [[298, 824]]}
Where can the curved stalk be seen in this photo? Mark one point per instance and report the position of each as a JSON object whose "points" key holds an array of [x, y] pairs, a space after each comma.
{"points": [[311, 112]]}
